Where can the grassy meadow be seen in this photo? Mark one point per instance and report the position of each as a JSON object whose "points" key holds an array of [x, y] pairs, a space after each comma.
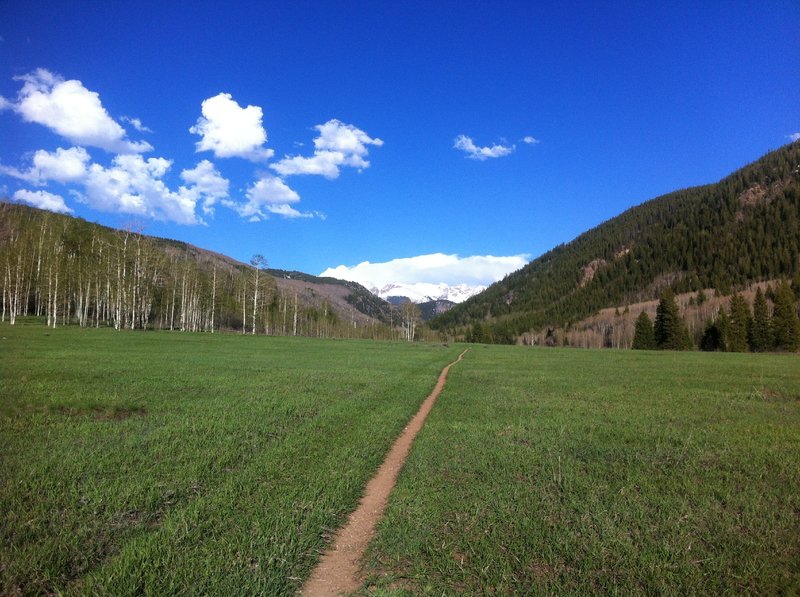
{"points": [[557, 471], [163, 463]]}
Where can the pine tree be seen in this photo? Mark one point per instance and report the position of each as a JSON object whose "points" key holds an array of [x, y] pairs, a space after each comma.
{"points": [[712, 338], [723, 324], [670, 330], [739, 323], [760, 333], [785, 324], [643, 338]]}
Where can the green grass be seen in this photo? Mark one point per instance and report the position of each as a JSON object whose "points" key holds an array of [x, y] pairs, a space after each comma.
{"points": [[571, 472], [163, 463]]}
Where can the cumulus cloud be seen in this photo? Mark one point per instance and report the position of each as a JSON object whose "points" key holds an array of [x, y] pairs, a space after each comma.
{"points": [[72, 111], [43, 200], [137, 124], [229, 130], [467, 145], [794, 137], [287, 211], [337, 145], [530, 140], [436, 268], [133, 185], [269, 194], [208, 184], [63, 165]]}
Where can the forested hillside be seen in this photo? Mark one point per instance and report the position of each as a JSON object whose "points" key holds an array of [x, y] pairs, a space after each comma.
{"points": [[743, 229], [67, 270]]}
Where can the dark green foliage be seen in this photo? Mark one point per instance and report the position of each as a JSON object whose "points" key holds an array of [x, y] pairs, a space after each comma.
{"points": [[713, 338], [669, 329], [739, 324], [796, 284], [760, 336], [704, 237], [643, 338], [785, 324]]}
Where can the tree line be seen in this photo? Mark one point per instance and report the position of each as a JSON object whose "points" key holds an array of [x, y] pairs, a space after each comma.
{"points": [[772, 324], [63, 270]]}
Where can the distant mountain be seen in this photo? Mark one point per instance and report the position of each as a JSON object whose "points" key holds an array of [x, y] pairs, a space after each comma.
{"points": [[431, 309], [422, 292], [743, 229]]}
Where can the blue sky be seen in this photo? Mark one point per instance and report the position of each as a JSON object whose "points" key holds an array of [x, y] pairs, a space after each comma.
{"points": [[325, 134]]}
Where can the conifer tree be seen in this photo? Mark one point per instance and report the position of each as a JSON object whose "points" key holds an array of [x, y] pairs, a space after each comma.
{"points": [[669, 329], [723, 324], [643, 338], [739, 323], [760, 333], [712, 338], [785, 324]]}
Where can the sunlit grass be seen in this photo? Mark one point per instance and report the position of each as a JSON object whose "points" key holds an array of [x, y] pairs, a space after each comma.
{"points": [[571, 472], [162, 463]]}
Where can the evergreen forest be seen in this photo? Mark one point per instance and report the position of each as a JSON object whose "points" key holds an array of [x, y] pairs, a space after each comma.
{"points": [[723, 236]]}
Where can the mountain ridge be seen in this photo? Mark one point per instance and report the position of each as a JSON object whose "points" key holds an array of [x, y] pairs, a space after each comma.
{"points": [[742, 229]]}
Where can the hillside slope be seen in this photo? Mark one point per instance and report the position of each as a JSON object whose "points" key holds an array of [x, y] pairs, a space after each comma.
{"points": [[68, 269], [742, 229]]}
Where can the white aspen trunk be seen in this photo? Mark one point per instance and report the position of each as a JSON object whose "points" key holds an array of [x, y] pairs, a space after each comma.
{"points": [[183, 302], [172, 309], [5, 287], [55, 301], [39, 269], [244, 310], [85, 317], [255, 302], [285, 302], [213, 297]]}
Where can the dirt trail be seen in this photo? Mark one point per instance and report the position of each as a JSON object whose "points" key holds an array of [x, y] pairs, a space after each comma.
{"points": [[337, 572]]}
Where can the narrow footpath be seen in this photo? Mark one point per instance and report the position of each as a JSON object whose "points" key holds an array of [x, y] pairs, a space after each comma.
{"points": [[337, 572]]}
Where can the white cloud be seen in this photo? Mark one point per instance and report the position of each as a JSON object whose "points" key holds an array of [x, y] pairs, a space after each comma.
{"points": [[137, 124], [436, 268], [64, 165], [43, 200], [467, 145], [530, 140], [337, 145], [229, 130], [267, 194], [133, 185], [287, 211], [794, 137], [208, 183], [72, 111]]}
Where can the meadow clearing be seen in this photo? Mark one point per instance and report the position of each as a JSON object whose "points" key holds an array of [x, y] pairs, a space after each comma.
{"points": [[161, 463], [144, 462], [564, 471]]}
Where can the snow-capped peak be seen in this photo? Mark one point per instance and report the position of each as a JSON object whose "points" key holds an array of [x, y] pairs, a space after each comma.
{"points": [[422, 292]]}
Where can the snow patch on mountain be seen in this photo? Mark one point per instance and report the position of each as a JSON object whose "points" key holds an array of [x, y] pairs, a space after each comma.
{"points": [[422, 292]]}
